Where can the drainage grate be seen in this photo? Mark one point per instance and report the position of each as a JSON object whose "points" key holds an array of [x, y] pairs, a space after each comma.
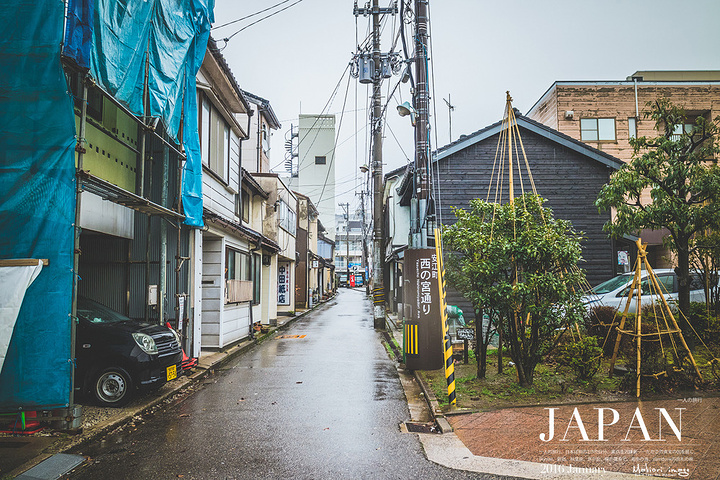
{"points": [[419, 427], [290, 336], [53, 467]]}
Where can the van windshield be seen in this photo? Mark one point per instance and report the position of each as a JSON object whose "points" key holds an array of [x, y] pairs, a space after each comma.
{"points": [[612, 284]]}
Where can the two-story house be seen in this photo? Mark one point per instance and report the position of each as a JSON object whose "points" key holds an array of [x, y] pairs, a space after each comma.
{"points": [[280, 226], [230, 251]]}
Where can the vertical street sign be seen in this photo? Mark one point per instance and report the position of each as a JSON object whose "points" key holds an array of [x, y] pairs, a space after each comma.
{"points": [[423, 332]]}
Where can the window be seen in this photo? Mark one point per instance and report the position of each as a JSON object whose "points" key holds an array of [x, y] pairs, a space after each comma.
{"points": [[214, 139], [286, 217], [685, 128], [597, 129], [245, 200], [632, 127], [320, 160], [242, 276], [205, 131], [265, 139], [256, 277], [238, 277]]}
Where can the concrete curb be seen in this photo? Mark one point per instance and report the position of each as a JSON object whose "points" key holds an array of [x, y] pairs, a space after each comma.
{"points": [[205, 368], [432, 402]]}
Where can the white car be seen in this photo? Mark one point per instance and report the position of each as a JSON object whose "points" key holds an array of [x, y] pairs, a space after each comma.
{"points": [[614, 292]]}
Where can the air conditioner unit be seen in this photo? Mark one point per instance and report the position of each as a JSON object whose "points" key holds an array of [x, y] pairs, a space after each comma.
{"points": [[569, 114]]}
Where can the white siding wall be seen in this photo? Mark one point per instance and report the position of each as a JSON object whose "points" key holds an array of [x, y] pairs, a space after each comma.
{"points": [[213, 266], [236, 317], [236, 322]]}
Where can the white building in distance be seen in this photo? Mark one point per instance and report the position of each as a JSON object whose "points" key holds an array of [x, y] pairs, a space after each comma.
{"points": [[315, 175]]}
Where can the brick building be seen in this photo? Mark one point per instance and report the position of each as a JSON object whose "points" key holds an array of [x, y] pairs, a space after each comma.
{"points": [[606, 114]]}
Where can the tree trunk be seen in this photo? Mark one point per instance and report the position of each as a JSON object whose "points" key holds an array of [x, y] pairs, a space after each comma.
{"points": [[683, 274], [481, 344], [500, 346], [516, 352]]}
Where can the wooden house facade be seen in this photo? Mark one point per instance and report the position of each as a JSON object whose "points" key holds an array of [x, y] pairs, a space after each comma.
{"points": [[567, 173]]}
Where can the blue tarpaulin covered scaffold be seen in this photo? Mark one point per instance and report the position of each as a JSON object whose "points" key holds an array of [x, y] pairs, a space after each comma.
{"points": [[113, 40], [37, 159]]}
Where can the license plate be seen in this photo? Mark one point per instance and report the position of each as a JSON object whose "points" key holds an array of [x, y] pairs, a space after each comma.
{"points": [[171, 372]]}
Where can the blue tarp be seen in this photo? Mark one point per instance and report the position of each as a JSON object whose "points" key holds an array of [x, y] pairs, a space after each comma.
{"points": [[114, 38], [37, 200]]}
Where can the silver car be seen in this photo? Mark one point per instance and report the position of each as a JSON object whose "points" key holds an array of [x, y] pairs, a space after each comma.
{"points": [[614, 292]]}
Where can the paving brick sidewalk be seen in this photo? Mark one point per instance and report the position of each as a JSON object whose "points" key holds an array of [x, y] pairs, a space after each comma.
{"points": [[514, 433]]}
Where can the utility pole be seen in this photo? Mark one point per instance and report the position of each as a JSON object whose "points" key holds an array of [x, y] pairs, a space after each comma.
{"points": [[378, 287], [364, 241], [346, 208], [420, 224], [451, 107]]}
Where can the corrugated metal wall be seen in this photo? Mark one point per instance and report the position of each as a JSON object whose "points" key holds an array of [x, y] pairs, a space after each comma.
{"points": [[114, 271]]}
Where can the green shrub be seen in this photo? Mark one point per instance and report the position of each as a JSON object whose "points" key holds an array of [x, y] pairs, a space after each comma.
{"points": [[583, 357]]}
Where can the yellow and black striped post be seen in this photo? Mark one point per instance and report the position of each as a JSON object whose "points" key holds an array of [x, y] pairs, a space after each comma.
{"points": [[449, 362]]}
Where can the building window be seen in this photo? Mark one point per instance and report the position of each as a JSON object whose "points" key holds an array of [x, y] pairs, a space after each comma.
{"points": [[286, 217], [205, 131], [242, 276], [214, 138], [686, 128], [265, 139], [256, 277], [597, 129], [632, 127], [320, 160], [245, 201], [238, 277]]}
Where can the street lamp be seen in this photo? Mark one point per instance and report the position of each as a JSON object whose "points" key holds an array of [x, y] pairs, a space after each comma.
{"points": [[405, 109]]}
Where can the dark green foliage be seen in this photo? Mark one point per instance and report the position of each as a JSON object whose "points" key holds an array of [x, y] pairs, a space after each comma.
{"points": [[583, 356], [682, 176], [520, 263]]}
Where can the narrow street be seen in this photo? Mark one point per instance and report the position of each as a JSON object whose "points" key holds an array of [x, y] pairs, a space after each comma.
{"points": [[321, 399]]}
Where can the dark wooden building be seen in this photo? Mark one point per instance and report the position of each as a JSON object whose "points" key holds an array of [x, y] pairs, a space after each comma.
{"points": [[566, 172]]}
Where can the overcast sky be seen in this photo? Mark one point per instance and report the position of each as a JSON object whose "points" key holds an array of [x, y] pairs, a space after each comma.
{"points": [[479, 49]]}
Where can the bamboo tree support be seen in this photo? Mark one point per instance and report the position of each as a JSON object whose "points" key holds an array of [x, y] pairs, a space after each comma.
{"points": [[636, 290]]}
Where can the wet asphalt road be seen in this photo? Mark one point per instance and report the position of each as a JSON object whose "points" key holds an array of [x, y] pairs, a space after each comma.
{"points": [[324, 406]]}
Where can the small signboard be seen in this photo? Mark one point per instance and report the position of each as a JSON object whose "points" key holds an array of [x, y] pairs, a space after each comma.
{"points": [[283, 283], [465, 333]]}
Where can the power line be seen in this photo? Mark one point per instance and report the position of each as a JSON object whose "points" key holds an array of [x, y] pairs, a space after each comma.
{"points": [[227, 39], [249, 16], [332, 159]]}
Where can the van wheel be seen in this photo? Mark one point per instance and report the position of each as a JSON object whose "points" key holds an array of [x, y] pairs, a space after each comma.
{"points": [[113, 387]]}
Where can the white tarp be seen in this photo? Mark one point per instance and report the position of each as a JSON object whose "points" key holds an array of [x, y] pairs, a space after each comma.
{"points": [[14, 281]]}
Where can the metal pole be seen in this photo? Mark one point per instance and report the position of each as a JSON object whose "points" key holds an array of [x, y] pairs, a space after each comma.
{"points": [[162, 284], [451, 107], [80, 148], [346, 208], [378, 283], [422, 104], [364, 242]]}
